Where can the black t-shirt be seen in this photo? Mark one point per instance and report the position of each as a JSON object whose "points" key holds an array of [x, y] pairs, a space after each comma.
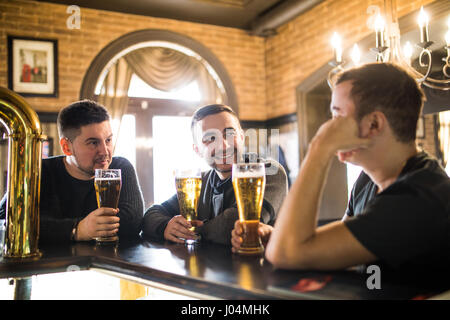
{"points": [[407, 225]]}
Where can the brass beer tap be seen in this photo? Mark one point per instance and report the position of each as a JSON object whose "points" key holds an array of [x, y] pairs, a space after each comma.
{"points": [[24, 176]]}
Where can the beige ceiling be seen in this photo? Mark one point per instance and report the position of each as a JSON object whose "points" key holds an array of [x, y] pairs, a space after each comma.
{"points": [[259, 17], [229, 13]]}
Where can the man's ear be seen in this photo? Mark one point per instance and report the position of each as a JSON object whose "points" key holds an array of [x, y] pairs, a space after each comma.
{"points": [[372, 124], [66, 146]]}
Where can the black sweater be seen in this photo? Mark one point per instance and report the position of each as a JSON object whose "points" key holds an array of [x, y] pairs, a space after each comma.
{"points": [[65, 200]]}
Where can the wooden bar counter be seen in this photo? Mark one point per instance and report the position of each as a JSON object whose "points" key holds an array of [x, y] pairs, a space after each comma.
{"points": [[211, 271]]}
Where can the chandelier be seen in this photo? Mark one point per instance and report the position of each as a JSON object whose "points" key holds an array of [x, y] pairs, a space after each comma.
{"points": [[387, 49]]}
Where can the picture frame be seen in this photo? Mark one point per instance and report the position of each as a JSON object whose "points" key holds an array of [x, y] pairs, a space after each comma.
{"points": [[33, 66], [47, 148]]}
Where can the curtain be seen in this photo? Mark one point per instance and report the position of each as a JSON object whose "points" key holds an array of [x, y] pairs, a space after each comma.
{"points": [[208, 87], [114, 93], [167, 69], [162, 68], [444, 136]]}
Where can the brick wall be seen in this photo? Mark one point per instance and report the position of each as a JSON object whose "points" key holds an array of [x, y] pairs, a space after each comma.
{"points": [[264, 72], [427, 143], [302, 46], [241, 54]]}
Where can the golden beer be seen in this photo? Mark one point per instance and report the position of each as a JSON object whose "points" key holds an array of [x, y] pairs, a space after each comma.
{"points": [[107, 192], [249, 183], [107, 185], [188, 194]]}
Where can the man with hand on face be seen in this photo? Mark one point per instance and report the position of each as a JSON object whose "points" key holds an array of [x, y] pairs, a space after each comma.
{"points": [[398, 213], [68, 204], [219, 139]]}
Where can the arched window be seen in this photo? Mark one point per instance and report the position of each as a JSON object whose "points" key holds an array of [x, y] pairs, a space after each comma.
{"points": [[151, 76], [134, 41]]}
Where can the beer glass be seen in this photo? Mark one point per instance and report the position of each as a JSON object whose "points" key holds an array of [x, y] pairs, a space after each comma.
{"points": [[249, 181], [107, 184], [188, 183]]}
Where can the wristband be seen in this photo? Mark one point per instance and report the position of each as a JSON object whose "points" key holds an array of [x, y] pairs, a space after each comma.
{"points": [[74, 232]]}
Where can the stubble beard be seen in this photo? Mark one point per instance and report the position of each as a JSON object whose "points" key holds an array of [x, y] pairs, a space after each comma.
{"points": [[90, 171]]}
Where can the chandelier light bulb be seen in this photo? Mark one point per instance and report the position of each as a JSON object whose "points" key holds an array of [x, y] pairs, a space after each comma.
{"points": [[356, 55], [447, 35], [391, 51], [423, 18], [423, 25], [379, 32], [337, 46], [379, 23], [335, 40], [408, 51]]}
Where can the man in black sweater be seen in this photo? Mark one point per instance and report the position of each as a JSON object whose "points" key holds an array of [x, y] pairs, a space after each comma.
{"points": [[68, 205], [218, 138]]}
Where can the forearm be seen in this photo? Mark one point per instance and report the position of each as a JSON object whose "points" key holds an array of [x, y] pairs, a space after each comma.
{"points": [[297, 219], [131, 216], [131, 210], [55, 230], [155, 222], [158, 216]]}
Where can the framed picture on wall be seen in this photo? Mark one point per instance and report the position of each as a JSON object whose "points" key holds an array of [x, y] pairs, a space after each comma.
{"points": [[47, 148], [33, 66]]}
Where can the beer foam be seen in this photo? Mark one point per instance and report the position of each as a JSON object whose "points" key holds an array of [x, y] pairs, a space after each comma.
{"points": [[187, 177], [248, 175], [108, 179]]}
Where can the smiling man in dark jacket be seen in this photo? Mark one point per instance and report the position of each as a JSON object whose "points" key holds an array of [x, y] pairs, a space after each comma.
{"points": [[218, 138]]}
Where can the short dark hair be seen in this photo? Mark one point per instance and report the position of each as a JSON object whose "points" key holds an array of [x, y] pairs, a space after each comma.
{"points": [[79, 114], [390, 89], [208, 110]]}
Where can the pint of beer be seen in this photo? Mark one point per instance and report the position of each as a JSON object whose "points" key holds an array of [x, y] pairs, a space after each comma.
{"points": [[188, 184], [107, 189], [249, 181]]}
